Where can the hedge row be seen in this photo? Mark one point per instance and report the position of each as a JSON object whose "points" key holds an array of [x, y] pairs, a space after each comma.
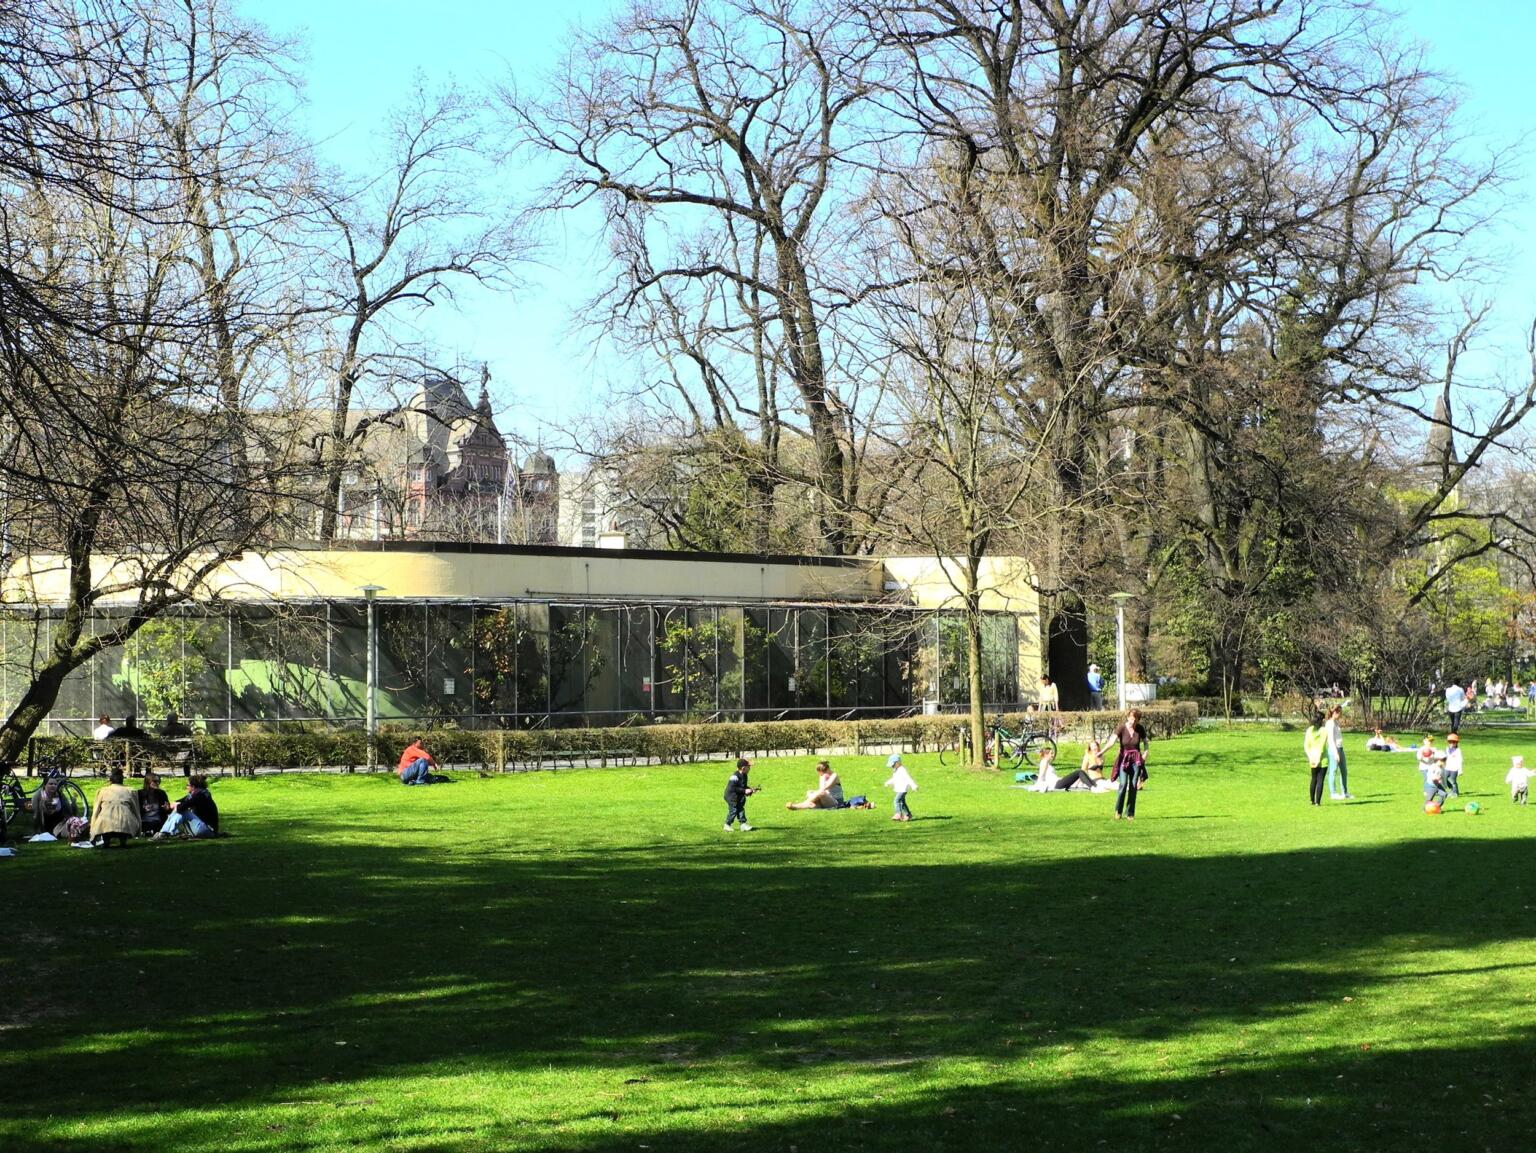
{"points": [[497, 750]]}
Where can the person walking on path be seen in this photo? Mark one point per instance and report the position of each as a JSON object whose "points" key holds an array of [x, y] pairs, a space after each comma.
{"points": [[1450, 768], [737, 790], [1314, 743], [1095, 687], [901, 781], [1130, 769], [1455, 705], [1338, 769]]}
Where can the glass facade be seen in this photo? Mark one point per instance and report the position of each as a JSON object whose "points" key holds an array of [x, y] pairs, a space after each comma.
{"points": [[518, 663]]}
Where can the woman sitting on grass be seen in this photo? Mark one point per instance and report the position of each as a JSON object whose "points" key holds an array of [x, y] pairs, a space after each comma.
{"points": [[1089, 773], [196, 814], [828, 793]]}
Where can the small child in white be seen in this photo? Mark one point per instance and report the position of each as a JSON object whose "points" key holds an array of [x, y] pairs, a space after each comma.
{"points": [[902, 782], [1518, 779]]}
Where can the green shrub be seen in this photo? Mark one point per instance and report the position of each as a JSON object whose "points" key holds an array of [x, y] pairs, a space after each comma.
{"points": [[306, 747]]}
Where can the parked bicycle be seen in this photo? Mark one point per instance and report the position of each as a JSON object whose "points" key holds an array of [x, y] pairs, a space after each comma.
{"points": [[1016, 748], [16, 799]]}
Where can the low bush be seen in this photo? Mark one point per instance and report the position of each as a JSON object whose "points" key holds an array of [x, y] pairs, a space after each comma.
{"points": [[497, 749]]}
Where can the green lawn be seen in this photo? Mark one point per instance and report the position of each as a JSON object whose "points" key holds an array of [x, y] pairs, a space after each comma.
{"points": [[585, 961]]}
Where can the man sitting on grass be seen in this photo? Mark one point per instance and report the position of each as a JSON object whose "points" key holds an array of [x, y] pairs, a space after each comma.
{"points": [[416, 764]]}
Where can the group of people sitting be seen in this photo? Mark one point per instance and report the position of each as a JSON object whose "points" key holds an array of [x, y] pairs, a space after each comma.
{"points": [[173, 728], [122, 813]]}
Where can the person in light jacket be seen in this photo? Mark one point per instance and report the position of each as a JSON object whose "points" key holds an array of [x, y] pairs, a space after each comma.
{"points": [[117, 812]]}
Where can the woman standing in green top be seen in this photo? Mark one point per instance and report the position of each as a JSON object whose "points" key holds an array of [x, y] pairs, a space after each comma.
{"points": [[1315, 743]]}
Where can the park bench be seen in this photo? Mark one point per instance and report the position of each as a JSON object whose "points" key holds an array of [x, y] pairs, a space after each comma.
{"points": [[572, 756]]}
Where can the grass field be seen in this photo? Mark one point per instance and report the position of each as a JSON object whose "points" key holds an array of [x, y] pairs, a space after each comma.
{"points": [[584, 960]]}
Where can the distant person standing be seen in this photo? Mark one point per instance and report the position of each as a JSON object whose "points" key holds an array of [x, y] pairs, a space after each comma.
{"points": [[1314, 743], [1095, 688], [1338, 769], [1455, 705], [736, 793], [1130, 769]]}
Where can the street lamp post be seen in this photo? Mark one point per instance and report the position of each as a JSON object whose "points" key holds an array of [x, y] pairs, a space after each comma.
{"points": [[371, 724], [1120, 599]]}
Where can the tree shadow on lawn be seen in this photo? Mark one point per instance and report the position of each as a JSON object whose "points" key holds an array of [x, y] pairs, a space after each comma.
{"points": [[680, 966]]}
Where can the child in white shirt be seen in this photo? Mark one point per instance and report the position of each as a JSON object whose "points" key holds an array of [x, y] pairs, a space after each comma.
{"points": [[1518, 779], [902, 782]]}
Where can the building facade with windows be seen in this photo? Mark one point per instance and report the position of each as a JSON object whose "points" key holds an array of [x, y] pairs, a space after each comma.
{"points": [[520, 636]]}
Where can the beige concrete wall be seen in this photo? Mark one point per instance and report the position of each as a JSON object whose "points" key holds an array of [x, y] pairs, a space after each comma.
{"points": [[294, 573]]}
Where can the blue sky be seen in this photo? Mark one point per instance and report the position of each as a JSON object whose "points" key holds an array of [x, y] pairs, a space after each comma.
{"points": [[363, 54]]}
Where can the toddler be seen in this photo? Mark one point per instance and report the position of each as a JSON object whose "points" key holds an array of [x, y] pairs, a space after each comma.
{"points": [[902, 782], [1518, 779]]}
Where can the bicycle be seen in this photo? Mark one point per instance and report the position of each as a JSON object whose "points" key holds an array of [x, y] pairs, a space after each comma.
{"points": [[16, 798], [1016, 748]]}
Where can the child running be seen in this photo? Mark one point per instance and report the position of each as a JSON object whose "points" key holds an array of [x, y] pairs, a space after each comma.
{"points": [[736, 793], [901, 781], [1450, 767]]}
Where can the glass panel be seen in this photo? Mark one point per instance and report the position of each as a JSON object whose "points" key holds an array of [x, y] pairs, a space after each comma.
{"points": [[755, 658], [999, 657], [495, 653], [110, 671], [532, 696], [401, 639], [305, 681], [730, 627], [671, 688], [605, 665], [567, 659], [257, 666], [953, 667], [207, 646], [900, 662], [449, 688], [780, 646], [635, 660], [811, 661], [349, 661]]}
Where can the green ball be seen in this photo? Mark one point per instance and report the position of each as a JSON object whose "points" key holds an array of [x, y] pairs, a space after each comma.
{"points": [[1474, 808]]}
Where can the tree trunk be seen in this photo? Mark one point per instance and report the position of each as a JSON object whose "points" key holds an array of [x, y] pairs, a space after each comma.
{"points": [[1067, 650], [978, 719]]}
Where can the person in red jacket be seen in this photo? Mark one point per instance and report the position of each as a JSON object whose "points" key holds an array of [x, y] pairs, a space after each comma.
{"points": [[416, 764]]}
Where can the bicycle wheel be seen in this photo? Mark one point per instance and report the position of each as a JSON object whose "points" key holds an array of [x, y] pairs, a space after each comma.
{"points": [[12, 801], [956, 752], [74, 797], [1011, 755], [1029, 748]]}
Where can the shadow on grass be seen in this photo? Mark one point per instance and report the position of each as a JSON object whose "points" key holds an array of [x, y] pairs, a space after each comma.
{"points": [[651, 969]]}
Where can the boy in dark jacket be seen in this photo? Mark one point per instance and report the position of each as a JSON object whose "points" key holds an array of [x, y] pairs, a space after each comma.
{"points": [[736, 793]]}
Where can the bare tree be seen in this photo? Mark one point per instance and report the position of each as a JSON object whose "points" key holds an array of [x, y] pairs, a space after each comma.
{"points": [[712, 135], [121, 473], [400, 242]]}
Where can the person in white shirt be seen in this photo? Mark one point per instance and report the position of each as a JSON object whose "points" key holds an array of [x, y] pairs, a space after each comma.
{"points": [[1451, 769], [902, 782], [1455, 703], [103, 728], [1518, 779], [1338, 770]]}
